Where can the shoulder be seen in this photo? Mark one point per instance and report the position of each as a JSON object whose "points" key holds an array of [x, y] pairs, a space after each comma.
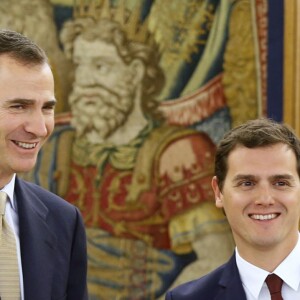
{"points": [[36, 206], [38, 196], [207, 286]]}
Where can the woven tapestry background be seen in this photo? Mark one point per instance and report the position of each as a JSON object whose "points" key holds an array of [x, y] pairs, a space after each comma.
{"points": [[145, 91]]}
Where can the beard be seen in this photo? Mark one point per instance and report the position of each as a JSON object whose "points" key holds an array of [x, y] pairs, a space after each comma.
{"points": [[97, 112]]}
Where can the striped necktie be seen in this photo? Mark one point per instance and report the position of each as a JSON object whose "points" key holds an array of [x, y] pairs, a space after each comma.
{"points": [[9, 271]]}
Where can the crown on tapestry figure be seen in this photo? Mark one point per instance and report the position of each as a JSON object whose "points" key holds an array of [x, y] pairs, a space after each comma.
{"points": [[129, 20]]}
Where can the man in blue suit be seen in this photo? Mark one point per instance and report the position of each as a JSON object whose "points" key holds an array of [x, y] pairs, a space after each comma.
{"points": [[50, 243], [257, 184]]}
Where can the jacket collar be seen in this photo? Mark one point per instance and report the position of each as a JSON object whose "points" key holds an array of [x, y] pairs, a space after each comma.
{"points": [[37, 242], [230, 281]]}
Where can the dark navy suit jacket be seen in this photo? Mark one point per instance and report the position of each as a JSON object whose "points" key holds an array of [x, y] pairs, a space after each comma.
{"points": [[53, 245], [223, 283]]}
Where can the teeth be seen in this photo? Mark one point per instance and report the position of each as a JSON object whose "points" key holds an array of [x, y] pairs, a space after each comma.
{"points": [[264, 217], [26, 145]]}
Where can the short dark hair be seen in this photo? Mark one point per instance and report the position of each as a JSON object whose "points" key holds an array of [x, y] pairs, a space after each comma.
{"points": [[256, 133], [21, 48]]}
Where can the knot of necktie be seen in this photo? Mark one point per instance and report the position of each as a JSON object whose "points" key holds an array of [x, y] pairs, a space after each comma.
{"points": [[274, 284]]}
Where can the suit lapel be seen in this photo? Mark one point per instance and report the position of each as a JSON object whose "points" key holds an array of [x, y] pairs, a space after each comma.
{"points": [[37, 243], [232, 288]]}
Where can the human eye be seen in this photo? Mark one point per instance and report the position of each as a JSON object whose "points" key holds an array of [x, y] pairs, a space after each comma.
{"points": [[283, 181], [17, 106], [245, 183], [99, 65], [49, 107], [103, 68]]}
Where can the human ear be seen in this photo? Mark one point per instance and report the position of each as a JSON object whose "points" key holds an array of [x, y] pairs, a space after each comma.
{"points": [[137, 71], [217, 192]]}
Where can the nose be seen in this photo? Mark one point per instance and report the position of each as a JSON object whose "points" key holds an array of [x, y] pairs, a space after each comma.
{"points": [[36, 124], [264, 196]]}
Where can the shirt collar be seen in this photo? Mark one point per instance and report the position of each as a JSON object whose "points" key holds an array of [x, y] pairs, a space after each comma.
{"points": [[288, 270], [9, 190], [253, 277]]}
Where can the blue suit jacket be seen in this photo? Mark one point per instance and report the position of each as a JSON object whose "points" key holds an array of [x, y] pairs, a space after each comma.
{"points": [[223, 283], [53, 245]]}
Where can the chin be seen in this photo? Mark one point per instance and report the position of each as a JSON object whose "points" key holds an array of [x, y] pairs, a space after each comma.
{"points": [[266, 243], [24, 167]]}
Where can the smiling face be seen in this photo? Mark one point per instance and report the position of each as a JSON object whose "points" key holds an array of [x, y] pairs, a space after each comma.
{"points": [[261, 198], [26, 114]]}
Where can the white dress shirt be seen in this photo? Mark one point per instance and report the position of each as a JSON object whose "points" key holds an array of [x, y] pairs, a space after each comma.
{"points": [[253, 278], [11, 215]]}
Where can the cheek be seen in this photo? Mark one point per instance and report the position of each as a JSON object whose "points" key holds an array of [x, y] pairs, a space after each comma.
{"points": [[50, 123], [10, 124], [297, 205], [232, 202]]}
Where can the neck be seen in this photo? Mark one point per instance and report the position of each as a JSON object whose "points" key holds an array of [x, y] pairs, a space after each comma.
{"points": [[267, 258], [4, 180]]}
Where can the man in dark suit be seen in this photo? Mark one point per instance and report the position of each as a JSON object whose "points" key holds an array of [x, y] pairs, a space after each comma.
{"points": [[257, 184], [48, 233]]}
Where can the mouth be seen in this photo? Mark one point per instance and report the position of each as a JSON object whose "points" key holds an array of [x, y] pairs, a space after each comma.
{"points": [[24, 145], [265, 217]]}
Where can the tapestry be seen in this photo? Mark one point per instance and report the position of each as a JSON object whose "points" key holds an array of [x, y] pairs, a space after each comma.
{"points": [[145, 91]]}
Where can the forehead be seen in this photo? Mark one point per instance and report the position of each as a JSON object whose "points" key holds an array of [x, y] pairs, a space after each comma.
{"points": [[275, 158], [95, 48], [9, 63], [19, 80]]}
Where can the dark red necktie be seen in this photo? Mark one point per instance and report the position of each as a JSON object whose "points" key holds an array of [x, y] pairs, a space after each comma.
{"points": [[274, 284]]}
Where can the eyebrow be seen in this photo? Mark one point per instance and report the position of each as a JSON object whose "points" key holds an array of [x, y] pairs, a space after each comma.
{"points": [[253, 177], [283, 176], [29, 101], [243, 177], [52, 102]]}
